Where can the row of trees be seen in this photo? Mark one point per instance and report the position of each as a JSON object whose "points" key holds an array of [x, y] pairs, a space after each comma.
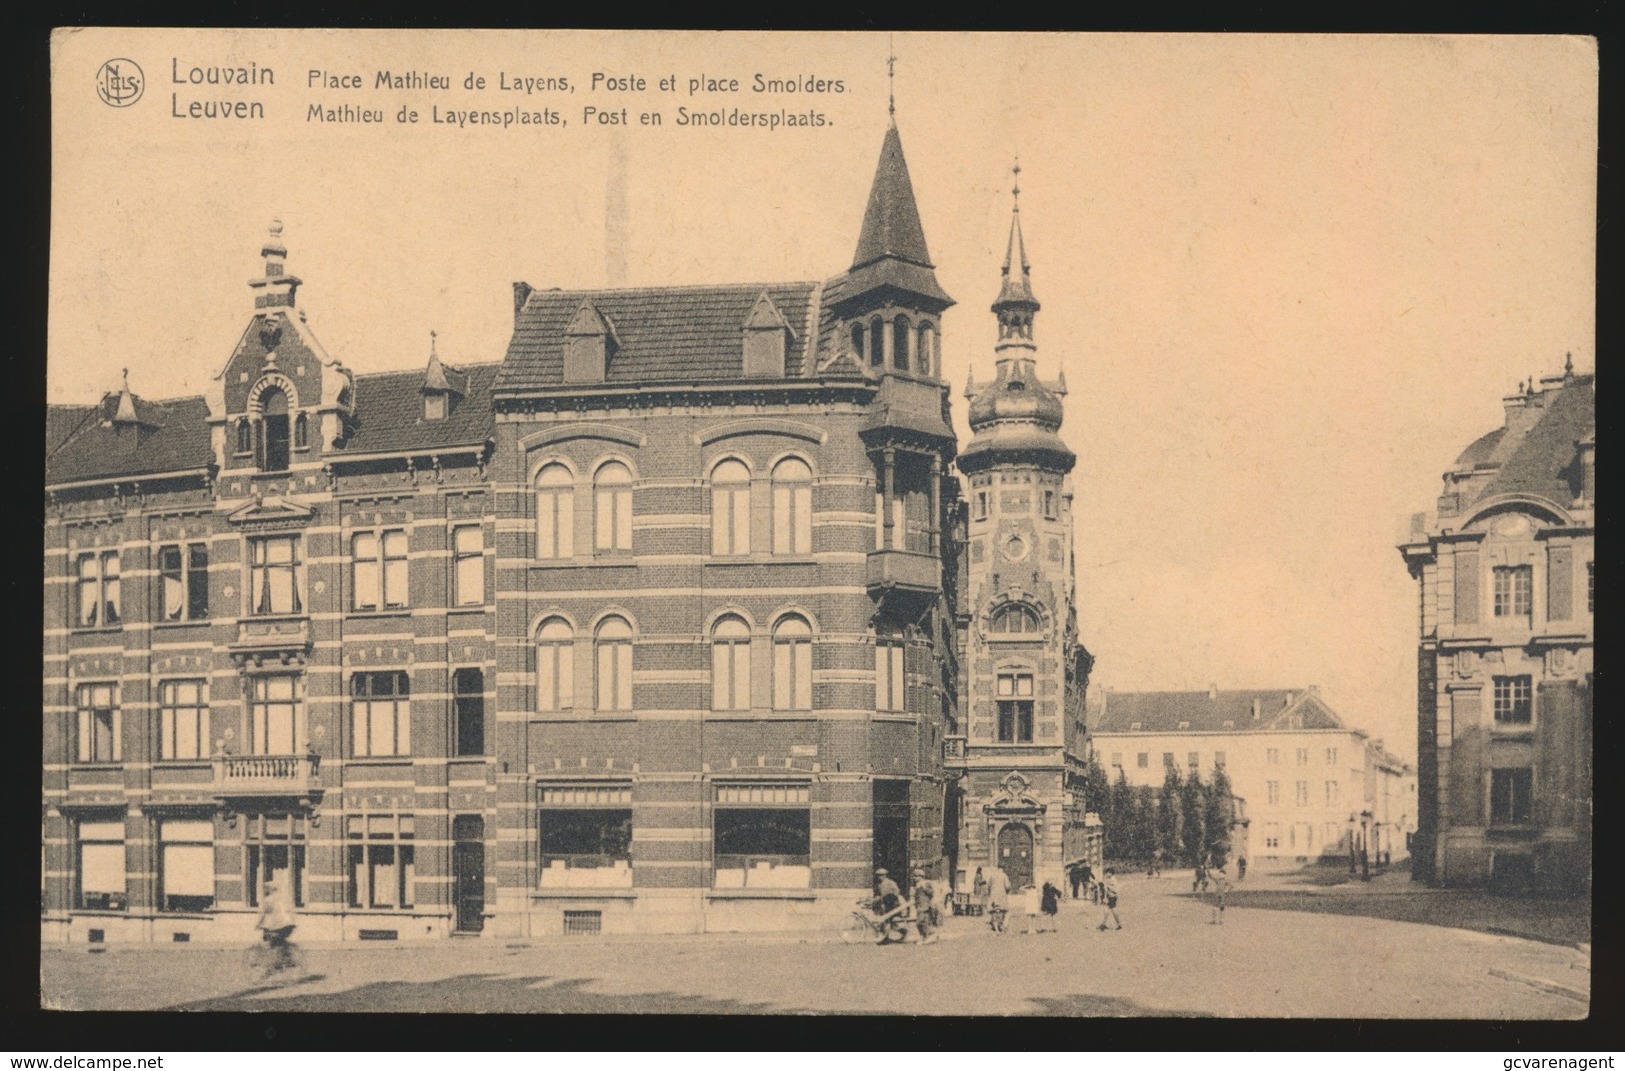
{"points": [[1188, 818]]}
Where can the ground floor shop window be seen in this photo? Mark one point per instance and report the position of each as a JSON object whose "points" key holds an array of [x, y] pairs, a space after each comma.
{"points": [[274, 850], [763, 836], [585, 836], [186, 864], [380, 862], [100, 871]]}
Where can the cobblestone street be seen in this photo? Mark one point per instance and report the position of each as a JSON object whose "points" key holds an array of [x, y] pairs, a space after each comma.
{"points": [[1168, 960]]}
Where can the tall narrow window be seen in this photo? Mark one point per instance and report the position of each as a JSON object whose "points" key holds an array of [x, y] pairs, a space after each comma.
{"points": [[275, 575], [857, 340], [730, 508], [900, 337], [927, 350], [275, 851], [276, 715], [614, 658], [730, 664], [381, 714], [1512, 795], [183, 578], [555, 512], [99, 724], [468, 711], [1514, 585], [379, 569], [555, 669], [274, 430], [792, 664], [245, 436], [792, 507], [468, 565], [183, 720], [98, 583], [612, 493], [890, 693], [1015, 699], [877, 342], [301, 432]]}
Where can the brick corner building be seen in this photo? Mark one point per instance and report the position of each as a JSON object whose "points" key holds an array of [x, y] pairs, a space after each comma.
{"points": [[1505, 663]]}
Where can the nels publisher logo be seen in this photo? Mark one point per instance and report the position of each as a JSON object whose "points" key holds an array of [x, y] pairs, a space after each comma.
{"points": [[120, 83]]}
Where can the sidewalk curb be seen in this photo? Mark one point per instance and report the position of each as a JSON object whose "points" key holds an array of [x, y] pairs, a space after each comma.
{"points": [[1542, 984]]}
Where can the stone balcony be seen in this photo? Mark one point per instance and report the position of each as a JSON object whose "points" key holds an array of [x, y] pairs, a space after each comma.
{"points": [[904, 571], [264, 776]]}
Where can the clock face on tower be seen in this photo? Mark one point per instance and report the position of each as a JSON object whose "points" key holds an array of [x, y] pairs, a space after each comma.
{"points": [[1014, 548]]}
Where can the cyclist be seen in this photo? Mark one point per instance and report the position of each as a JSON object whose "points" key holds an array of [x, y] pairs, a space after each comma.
{"points": [[888, 904], [276, 923]]}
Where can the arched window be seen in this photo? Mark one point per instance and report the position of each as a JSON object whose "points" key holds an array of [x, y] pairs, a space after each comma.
{"points": [[730, 508], [301, 432], [857, 340], [273, 429], [890, 693], [792, 507], [245, 436], [792, 664], [614, 661], [612, 498], [555, 665], [1014, 619], [899, 343], [927, 350], [555, 512], [730, 664], [877, 342]]}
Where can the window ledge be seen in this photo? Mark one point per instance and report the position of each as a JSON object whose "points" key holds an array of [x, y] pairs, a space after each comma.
{"points": [[97, 765], [760, 559], [761, 894], [584, 893], [393, 611], [472, 608], [895, 715], [92, 630], [379, 760], [618, 562], [192, 622]]}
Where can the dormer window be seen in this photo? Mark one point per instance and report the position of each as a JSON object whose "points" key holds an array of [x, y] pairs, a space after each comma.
{"points": [[273, 430], [434, 406]]}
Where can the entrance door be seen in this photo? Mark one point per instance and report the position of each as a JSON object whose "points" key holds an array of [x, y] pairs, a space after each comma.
{"points": [[1016, 855], [891, 829], [468, 871]]}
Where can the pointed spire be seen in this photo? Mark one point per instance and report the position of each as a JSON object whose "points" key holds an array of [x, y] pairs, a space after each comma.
{"points": [[434, 377], [891, 222], [1016, 290]]}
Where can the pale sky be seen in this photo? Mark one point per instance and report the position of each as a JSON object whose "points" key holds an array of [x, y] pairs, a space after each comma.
{"points": [[1288, 278]]}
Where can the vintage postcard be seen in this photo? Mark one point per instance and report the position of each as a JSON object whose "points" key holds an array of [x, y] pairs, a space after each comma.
{"points": [[828, 523]]}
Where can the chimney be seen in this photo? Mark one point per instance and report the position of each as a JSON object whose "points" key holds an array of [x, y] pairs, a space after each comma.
{"points": [[521, 294], [276, 289], [1213, 693], [1256, 707]]}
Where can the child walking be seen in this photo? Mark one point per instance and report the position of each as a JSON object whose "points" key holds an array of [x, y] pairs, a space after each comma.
{"points": [[1109, 888]]}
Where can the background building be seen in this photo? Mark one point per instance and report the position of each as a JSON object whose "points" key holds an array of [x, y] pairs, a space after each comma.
{"points": [[1504, 568], [1021, 742], [1313, 787]]}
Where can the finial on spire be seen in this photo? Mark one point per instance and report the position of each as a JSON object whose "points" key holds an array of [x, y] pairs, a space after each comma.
{"points": [[1568, 364], [126, 375], [1015, 186], [276, 228], [891, 79], [433, 334]]}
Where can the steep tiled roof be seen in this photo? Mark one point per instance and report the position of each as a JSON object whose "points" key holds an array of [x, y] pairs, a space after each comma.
{"points": [[1164, 712], [1543, 462], [674, 334], [173, 436], [389, 413]]}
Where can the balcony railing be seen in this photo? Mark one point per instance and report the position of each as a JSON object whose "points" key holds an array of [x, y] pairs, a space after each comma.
{"points": [[267, 775]]}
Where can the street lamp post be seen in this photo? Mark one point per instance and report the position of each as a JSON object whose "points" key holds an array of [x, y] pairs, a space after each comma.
{"points": [[1365, 848], [1351, 844]]}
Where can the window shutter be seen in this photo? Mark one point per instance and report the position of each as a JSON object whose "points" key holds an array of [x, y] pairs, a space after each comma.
{"points": [[1466, 586], [1559, 583]]}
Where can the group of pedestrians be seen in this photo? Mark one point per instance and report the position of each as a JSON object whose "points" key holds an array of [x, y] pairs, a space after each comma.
{"points": [[1042, 902]]}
